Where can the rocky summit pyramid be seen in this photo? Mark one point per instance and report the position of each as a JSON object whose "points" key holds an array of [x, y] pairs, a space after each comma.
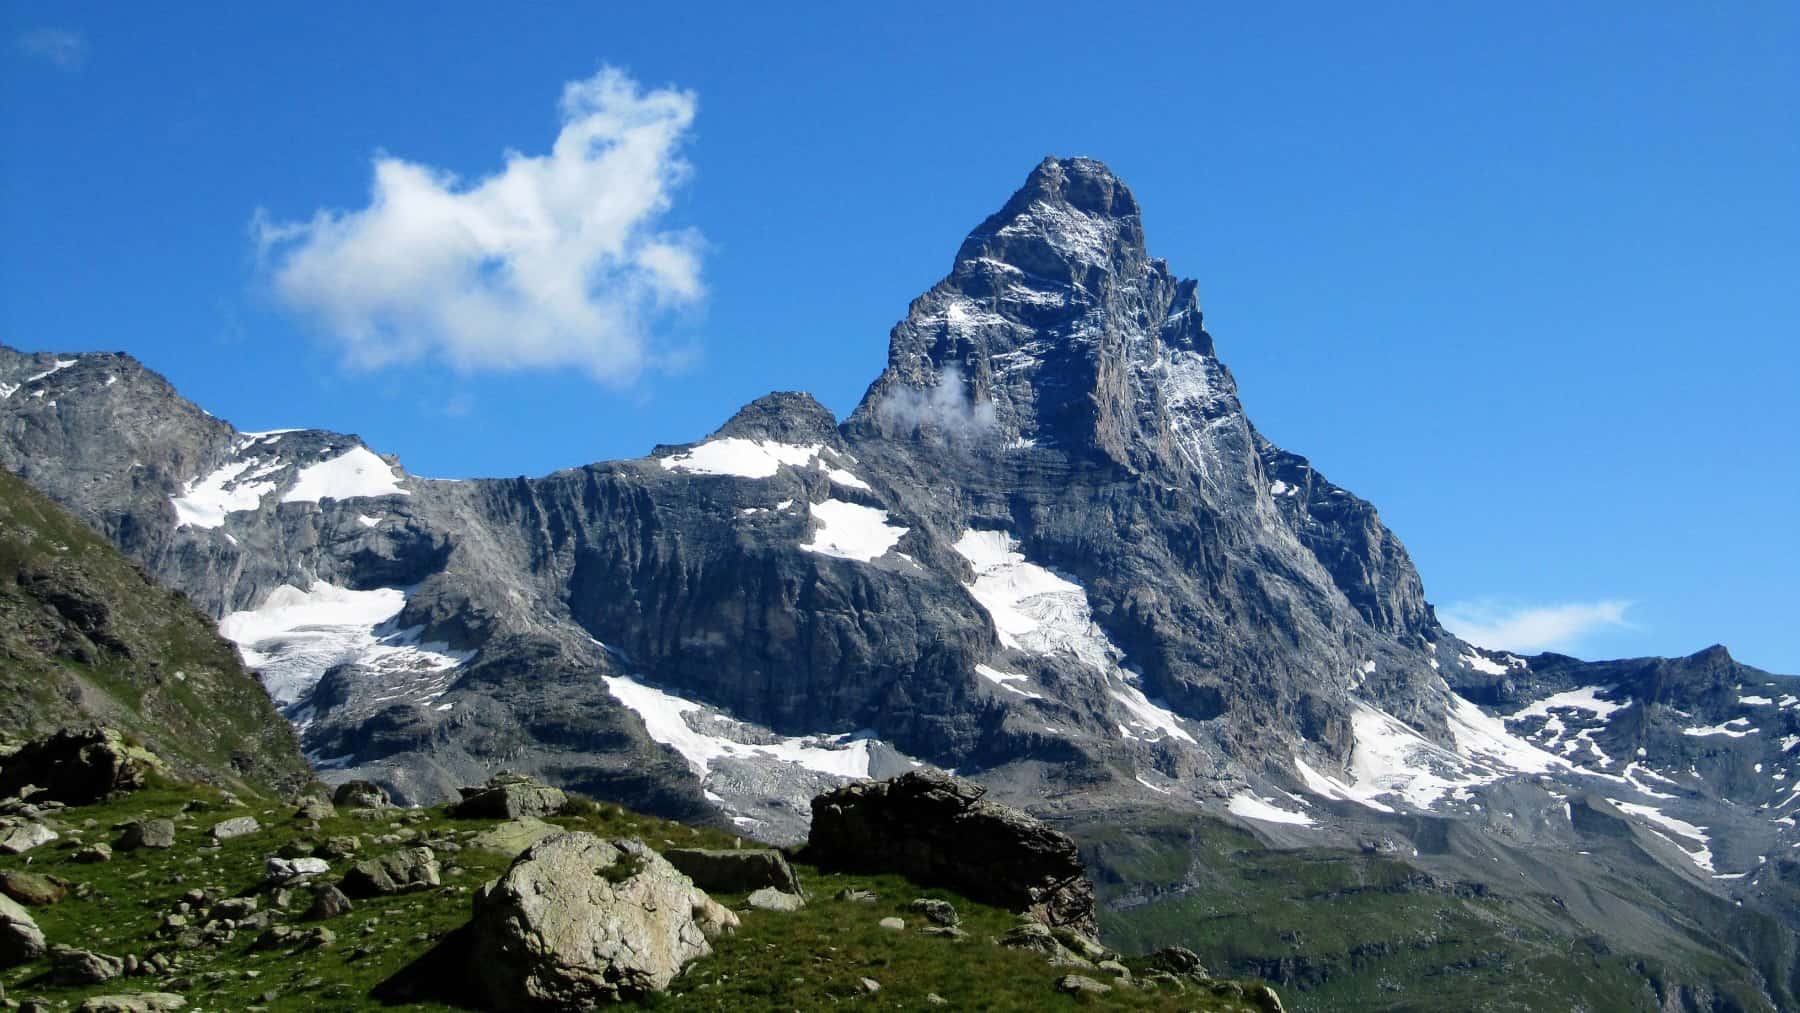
{"points": [[1048, 550]]}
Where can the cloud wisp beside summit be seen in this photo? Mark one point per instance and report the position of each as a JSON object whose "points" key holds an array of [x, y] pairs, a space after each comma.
{"points": [[1529, 629], [556, 260]]}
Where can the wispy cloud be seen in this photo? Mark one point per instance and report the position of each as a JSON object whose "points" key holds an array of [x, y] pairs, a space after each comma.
{"points": [[555, 260], [61, 47], [1531, 628]]}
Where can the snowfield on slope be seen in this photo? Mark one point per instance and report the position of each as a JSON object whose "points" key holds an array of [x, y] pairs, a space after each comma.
{"points": [[1038, 611], [294, 637]]}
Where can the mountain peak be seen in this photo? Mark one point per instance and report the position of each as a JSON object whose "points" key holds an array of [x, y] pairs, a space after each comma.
{"points": [[1071, 215]]}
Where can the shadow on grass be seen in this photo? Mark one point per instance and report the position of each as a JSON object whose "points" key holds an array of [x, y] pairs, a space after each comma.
{"points": [[444, 973]]}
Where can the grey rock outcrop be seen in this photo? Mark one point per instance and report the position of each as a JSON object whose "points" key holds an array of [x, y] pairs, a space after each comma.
{"points": [[359, 794], [237, 826], [154, 833], [938, 830], [133, 1002], [735, 870], [577, 921], [20, 938], [508, 796], [71, 966], [396, 872], [76, 766]]}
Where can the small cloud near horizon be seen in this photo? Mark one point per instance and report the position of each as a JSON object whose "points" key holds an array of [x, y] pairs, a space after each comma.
{"points": [[1528, 629], [555, 260], [62, 48]]}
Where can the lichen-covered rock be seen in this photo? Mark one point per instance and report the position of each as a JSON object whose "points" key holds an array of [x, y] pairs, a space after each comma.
{"points": [[237, 826], [509, 796], [514, 836], [133, 1002], [395, 872], [938, 830], [770, 899], [732, 870], [31, 888], [578, 921]]}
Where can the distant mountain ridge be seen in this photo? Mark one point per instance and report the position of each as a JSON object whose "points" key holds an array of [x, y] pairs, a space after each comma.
{"points": [[1048, 550]]}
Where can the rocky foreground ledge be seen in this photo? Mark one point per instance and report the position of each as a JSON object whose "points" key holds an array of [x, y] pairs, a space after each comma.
{"points": [[131, 892]]}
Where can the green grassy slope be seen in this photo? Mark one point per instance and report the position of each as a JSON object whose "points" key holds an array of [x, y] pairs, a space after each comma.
{"points": [[813, 959], [86, 636], [1341, 930]]}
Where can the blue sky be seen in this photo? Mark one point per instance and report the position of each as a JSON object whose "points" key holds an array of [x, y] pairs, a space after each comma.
{"points": [[1522, 275]]}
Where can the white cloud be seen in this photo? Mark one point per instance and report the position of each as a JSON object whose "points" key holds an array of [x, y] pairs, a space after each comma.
{"points": [[1532, 628], [60, 46], [946, 406], [556, 260]]}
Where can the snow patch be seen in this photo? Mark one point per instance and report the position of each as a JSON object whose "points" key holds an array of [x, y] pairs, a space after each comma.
{"points": [[1702, 857], [1732, 728], [1252, 808], [733, 455], [1005, 680], [665, 718], [205, 501], [852, 531], [354, 474], [1039, 611]]}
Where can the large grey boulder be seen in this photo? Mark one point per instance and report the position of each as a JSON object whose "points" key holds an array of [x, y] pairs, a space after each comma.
{"points": [[150, 833], [578, 921], [725, 870], [71, 966], [361, 795], [395, 872], [22, 837], [938, 830], [508, 796], [20, 938]]}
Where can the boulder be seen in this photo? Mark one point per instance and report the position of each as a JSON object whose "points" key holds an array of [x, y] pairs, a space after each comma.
{"points": [[937, 830], [734, 870], [329, 903], [395, 872], [1076, 984], [514, 836], [714, 919], [133, 1002], [31, 888], [20, 938], [313, 807], [578, 921], [361, 795], [508, 796], [940, 912], [77, 767], [22, 837], [94, 853], [893, 924], [771, 899], [157, 833], [237, 826], [1037, 937], [286, 870], [70, 966]]}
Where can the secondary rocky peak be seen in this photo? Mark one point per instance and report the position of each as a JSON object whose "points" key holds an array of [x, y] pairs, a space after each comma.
{"points": [[784, 416]]}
